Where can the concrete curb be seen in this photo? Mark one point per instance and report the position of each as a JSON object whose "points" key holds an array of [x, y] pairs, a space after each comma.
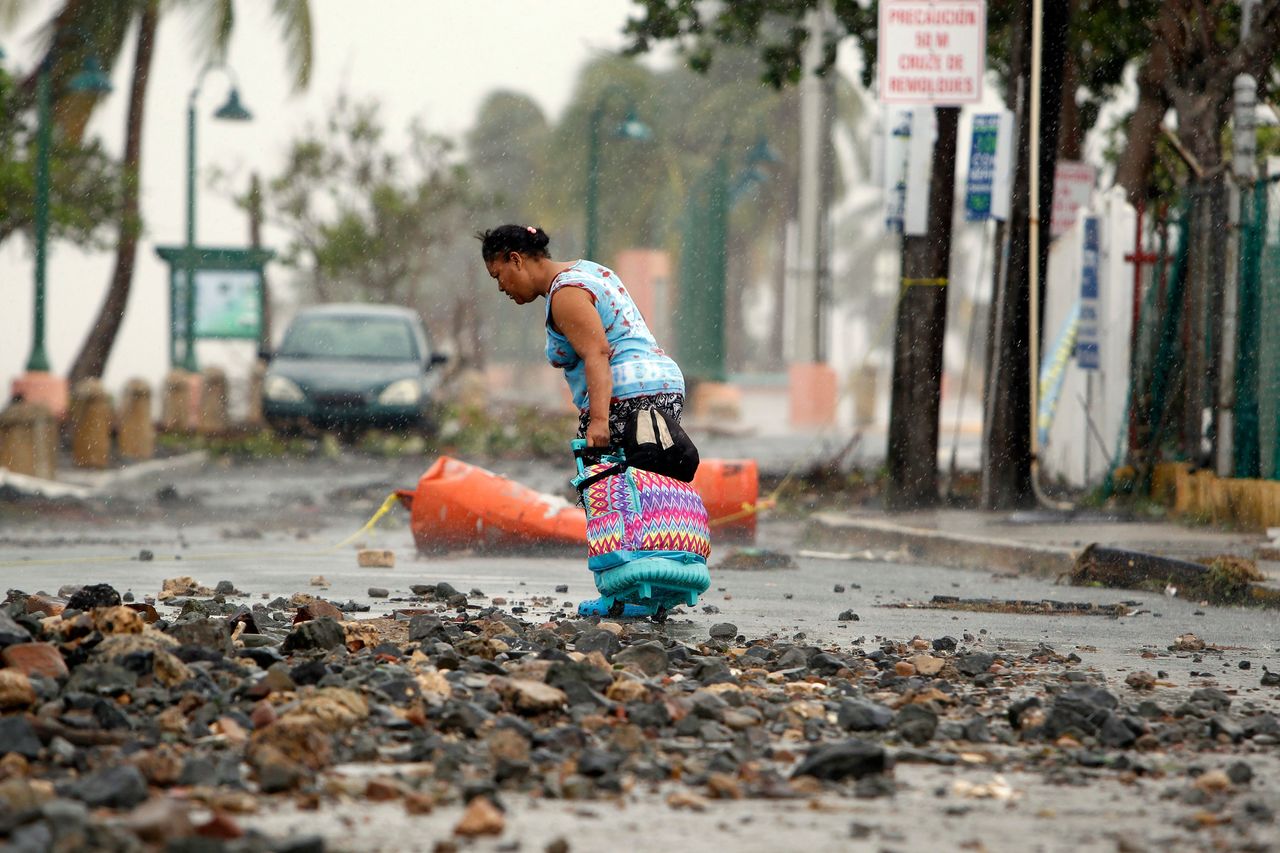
{"points": [[86, 484], [953, 550], [38, 486]]}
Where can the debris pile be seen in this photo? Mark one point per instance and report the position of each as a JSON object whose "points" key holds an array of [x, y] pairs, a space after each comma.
{"points": [[124, 726]]}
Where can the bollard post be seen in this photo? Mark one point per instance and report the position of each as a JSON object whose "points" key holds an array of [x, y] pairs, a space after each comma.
{"points": [[253, 415], [90, 425], [28, 440], [213, 401], [721, 401], [176, 403], [137, 431]]}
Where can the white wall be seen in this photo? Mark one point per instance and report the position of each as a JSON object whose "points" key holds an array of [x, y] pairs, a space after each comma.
{"points": [[1073, 453]]}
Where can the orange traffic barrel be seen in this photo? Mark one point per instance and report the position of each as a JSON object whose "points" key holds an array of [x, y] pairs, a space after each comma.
{"points": [[730, 488], [458, 505]]}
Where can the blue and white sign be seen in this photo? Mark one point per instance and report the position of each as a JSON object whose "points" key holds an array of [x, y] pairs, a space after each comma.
{"points": [[897, 145], [982, 167], [1087, 334]]}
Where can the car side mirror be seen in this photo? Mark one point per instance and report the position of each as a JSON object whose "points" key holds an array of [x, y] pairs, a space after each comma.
{"points": [[437, 359]]}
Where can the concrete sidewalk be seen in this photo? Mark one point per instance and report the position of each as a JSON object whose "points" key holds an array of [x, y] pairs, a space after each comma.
{"points": [[1040, 543]]}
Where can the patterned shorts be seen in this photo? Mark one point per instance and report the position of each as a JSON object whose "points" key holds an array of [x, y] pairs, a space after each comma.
{"points": [[620, 412]]}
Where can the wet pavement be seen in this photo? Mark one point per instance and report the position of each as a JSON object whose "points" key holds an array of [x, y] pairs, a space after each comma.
{"points": [[267, 528]]}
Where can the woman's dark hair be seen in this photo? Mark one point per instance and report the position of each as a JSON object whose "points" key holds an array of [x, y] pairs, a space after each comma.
{"points": [[528, 240]]}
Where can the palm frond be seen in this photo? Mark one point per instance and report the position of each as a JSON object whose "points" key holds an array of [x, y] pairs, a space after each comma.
{"points": [[294, 20], [211, 24], [12, 11]]}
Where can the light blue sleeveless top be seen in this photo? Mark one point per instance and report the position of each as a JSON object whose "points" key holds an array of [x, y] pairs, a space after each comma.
{"points": [[640, 367]]}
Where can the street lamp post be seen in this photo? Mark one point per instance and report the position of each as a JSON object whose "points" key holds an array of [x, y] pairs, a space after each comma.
{"points": [[90, 79], [630, 128], [704, 260], [232, 110]]}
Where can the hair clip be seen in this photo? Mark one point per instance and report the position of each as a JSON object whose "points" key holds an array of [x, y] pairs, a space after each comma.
{"points": [[531, 229]]}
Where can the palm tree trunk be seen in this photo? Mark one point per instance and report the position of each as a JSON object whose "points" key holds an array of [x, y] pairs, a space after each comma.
{"points": [[92, 360], [1133, 171]]}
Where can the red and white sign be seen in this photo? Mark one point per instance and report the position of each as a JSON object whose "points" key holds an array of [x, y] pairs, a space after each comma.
{"points": [[1072, 187], [932, 51]]}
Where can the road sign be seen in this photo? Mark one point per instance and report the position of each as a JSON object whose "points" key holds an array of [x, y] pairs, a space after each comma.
{"points": [[1072, 186], [1087, 333], [982, 167], [897, 143], [932, 51], [228, 293]]}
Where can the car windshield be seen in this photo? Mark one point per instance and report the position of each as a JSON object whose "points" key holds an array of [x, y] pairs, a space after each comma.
{"points": [[381, 338]]}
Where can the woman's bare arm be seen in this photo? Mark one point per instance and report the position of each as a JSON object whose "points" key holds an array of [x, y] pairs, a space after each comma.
{"points": [[576, 317]]}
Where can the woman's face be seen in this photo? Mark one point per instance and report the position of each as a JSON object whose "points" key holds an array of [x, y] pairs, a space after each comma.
{"points": [[511, 271]]}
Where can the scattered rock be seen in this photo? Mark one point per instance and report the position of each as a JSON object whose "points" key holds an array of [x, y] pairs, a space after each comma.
{"points": [[916, 724], [378, 592], [374, 558], [16, 692], [35, 659], [847, 616], [649, 658], [18, 737], [1140, 680], [322, 633], [1187, 643], [533, 697], [851, 759], [860, 715], [119, 787], [93, 596], [975, 663], [724, 631], [481, 817], [11, 632], [926, 665]]}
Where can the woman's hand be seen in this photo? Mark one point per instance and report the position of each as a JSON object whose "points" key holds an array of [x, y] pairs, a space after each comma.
{"points": [[598, 432]]}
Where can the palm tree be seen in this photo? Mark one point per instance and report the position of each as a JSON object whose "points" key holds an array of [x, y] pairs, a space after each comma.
{"points": [[101, 27]]}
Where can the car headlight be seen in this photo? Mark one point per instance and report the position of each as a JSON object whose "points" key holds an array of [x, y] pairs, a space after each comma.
{"points": [[406, 392], [282, 390]]}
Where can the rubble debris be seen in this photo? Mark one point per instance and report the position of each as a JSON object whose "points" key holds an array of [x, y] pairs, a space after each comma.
{"points": [[1042, 607], [376, 558], [1225, 579], [755, 560], [242, 708]]}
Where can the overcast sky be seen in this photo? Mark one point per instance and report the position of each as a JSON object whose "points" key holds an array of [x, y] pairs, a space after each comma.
{"points": [[435, 59]]}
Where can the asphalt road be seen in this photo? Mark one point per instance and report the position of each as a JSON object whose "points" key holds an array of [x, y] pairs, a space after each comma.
{"points": [[267, 528]]}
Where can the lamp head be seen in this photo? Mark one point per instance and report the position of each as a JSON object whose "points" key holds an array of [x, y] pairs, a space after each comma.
{"points": [[91, 78], [233, 110], [633, 128]]}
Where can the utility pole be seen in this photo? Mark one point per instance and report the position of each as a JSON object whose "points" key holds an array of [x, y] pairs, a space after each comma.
{"points": [[812, 381], [1006, 438], [916, 395], [804, 316], [1244, 166], [255, 241]]}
